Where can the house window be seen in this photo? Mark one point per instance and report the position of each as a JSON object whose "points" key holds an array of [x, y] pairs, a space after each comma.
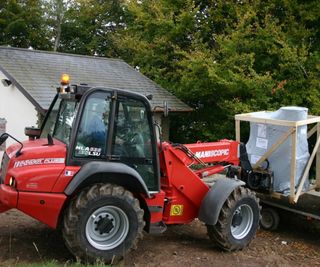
{"points": [[2, 130]]}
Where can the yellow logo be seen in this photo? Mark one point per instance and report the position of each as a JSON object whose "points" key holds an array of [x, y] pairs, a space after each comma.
{"points": [[176, 210]]}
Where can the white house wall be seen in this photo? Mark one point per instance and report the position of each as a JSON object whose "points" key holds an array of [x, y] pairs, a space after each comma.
{"points": [[164, 125], [17, 110]]}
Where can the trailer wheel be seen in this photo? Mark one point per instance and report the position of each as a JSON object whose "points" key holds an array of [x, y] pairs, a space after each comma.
{"points": [[103, 223], [238, 221], [269, 219]]}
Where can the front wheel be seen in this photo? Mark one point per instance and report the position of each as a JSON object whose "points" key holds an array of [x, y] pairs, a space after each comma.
{"points": [[103, 223], [238, 221]]}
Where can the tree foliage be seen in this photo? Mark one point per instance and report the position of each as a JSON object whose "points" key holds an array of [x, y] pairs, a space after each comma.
{"points": [[221, 57], [226, 57], [89, 25], [22, 24]]}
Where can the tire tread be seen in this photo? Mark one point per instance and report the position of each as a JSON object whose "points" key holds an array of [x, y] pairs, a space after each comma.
{"points": [[74, 211], [219, 233]]}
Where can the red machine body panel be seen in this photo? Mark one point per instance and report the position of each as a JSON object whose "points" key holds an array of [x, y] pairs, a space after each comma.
{"points": [[221, 151], [65, 178], [37, 148], [184, 189], [8, 198], [36, 178], [38, 167], [36, 172], [45, 207]]}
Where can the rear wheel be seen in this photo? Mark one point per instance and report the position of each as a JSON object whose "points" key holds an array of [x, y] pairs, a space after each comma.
{"points": [[238, 221], [103, 223], [269, 219]]}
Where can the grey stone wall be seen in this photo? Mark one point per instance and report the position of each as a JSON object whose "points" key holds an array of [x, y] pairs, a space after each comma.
{"points": [[3, 123]]}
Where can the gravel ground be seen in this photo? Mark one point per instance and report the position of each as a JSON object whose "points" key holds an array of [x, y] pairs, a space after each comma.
{"points": [[295, 243]]}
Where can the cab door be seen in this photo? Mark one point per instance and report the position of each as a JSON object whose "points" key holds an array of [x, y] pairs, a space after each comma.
{"points": [[90, 132], [133, 140]]}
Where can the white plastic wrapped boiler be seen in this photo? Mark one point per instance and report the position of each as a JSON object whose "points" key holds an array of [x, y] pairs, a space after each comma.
{"points": [[263, 136]]}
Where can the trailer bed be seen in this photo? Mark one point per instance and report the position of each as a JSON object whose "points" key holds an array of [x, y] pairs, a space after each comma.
{"points": [[308, 204]]}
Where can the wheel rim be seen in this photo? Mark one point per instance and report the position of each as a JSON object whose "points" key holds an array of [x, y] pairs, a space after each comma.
{"points": [[107, 227], [242, 221]]}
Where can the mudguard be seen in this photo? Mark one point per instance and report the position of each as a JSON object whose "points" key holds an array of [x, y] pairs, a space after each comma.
{"points": [[116, 172], [213, 201]]}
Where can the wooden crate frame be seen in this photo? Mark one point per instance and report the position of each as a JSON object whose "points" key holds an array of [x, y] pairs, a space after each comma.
{"points": [[292, 131]]}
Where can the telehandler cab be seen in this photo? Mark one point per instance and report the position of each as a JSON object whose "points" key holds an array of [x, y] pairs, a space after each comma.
{"points": [[96, 170]]}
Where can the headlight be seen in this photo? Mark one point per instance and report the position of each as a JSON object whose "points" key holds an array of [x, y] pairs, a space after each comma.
{"points": [[12, 182]]}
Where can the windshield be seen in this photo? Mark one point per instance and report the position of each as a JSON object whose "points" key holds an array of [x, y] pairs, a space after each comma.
{"points": [[59, 121]]}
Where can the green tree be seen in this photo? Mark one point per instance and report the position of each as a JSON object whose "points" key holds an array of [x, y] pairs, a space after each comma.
{"points": [[225, 57], [88, 26], [22, 24], [55, 17]]}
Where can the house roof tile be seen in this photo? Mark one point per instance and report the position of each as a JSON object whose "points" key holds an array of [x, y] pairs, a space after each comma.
{"points": [[37, 74]]}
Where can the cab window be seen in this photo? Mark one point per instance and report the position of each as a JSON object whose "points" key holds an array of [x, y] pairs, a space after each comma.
{"points": [[93, 128], [132, 139], [60, 120]]}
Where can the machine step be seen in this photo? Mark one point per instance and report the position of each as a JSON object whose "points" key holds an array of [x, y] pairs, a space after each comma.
{"points": [[157, 228]]}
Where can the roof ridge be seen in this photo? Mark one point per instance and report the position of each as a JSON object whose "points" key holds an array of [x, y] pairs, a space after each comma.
{"points": [[60, 53]]}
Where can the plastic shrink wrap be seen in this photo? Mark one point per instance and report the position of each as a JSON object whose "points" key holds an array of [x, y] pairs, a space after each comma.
{"points": [[263, 136]]}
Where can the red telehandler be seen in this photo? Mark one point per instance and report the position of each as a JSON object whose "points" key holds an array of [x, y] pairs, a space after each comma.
{"points": [[96, 171]]}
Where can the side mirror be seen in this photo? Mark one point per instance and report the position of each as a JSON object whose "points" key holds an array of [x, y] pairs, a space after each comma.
{"points": [[32, 132], [3, 138]]}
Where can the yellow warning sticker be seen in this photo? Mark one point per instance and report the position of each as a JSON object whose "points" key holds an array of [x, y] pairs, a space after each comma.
{"points": [[176, 210]]}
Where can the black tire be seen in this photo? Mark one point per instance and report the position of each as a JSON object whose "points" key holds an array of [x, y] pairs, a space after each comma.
{"points": [[238, 221], [102, 223], [269, 219]]}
